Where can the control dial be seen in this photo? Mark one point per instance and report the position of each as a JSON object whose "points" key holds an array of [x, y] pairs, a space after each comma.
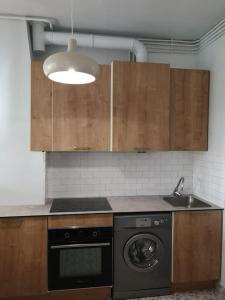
{"points": [[156, 223]]}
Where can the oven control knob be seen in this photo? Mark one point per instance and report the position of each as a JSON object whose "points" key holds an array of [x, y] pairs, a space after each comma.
{"points": [[94, 233], [156, 223], [67, 235]]}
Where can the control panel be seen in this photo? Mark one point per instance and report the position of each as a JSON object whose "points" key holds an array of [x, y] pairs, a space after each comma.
{"points": [[152, 221], [145, 221]]}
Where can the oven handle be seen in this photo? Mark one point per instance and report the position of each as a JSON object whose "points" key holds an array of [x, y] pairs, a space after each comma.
{"points": [[80, 245]]}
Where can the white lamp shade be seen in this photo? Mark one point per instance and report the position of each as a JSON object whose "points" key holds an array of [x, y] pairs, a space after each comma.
{"points": [[71, 67]]}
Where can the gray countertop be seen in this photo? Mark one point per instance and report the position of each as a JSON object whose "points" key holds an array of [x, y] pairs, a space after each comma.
{"points": [[128, 204]]}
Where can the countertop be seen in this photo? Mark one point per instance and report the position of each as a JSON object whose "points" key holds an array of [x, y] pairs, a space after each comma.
{"points": [[128, 204]]}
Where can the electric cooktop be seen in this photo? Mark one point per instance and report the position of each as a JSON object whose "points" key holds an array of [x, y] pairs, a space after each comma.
{"points": [[80, 204]]}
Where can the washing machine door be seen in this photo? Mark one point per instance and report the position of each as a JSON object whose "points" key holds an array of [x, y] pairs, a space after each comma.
{"points": [[143, 252]]}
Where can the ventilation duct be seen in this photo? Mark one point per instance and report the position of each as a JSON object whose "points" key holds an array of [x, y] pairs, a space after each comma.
{"points": [[140, 47], [42, 38]]}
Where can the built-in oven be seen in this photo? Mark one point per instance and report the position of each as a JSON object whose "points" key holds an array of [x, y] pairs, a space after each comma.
{"points": [[79, 258]]}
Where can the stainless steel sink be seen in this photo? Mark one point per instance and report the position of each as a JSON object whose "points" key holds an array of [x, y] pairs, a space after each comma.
{"points": [[187, 201]]}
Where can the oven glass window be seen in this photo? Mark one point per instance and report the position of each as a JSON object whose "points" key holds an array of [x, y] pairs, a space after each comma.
{"points": [[80, 262]]}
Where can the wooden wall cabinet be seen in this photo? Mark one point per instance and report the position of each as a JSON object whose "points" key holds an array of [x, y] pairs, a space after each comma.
{"points": [[197, 248], [81, 115], [69, 117], [141, 101], [23, 256], [41, 109], [189, 109], [153, 108]]}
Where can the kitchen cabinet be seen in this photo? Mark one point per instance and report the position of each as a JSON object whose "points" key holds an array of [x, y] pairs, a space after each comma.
{"points": [[81, 115], [197, 244], [189, 109], [41, 109], [23, 256], [141, 105], [102, 293], [153, 108], [69, 117]]}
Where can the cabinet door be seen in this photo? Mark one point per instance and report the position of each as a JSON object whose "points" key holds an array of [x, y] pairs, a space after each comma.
{"points": [[23, 256], [189, 109], [41, 109], [90, 220], [140, 106], [81, 115], [196, 248]]}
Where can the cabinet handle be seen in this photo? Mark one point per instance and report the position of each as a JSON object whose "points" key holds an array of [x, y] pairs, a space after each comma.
{"points": [[11, 222], [80, 245], [141, 149], [201, 213], [75, 148]]}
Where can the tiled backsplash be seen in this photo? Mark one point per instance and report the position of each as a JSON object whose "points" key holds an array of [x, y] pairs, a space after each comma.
{"points": [[116, 174], [209, 176]]}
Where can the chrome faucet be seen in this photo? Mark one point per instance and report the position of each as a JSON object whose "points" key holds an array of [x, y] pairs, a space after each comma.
{"points": [[179, 187]]}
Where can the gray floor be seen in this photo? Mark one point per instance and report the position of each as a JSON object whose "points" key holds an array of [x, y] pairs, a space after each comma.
{"points": [[203, 295]]}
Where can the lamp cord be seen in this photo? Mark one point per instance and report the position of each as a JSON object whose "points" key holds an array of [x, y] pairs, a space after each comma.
{"points": [[71, 16]]}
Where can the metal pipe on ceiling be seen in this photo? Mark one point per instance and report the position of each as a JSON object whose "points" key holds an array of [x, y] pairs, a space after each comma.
{"points": [[42, 38], [140, 47]]}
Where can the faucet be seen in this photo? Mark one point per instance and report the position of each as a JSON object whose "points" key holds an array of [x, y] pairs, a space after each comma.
{"points": [[178, 190]]}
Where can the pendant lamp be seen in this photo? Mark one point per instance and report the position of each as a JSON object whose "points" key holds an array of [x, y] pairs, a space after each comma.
{"points": [[71, 67]]}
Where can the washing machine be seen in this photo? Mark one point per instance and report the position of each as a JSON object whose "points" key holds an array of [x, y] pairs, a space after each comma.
{"points": [[142, 255]]}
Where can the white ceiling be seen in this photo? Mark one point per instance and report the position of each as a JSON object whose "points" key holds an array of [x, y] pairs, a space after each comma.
{"points": [[180, 19]]}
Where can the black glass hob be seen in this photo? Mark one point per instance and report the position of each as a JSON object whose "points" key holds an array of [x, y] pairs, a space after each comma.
{"points": [[80, 204]]}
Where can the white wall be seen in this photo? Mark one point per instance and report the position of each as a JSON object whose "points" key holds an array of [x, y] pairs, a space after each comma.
{"points": [[21, 171], [209, 167], [187, 61]]}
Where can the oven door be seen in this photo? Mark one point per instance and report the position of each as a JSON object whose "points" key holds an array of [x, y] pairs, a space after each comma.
{"points": [[80, 265]]}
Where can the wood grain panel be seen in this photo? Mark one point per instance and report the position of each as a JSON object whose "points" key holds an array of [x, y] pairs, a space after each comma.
{"points": [[197, 247], [81, 115], [194, 286], [141, 99], [23, 256], [103, 293], [80, 220], [189, 109], [41, 109], [40, 297]]}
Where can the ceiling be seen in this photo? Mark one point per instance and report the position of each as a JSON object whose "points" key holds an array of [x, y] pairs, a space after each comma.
{"points": [[177, 19]]}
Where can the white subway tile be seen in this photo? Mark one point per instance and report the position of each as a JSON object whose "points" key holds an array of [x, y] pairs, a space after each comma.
{"points": [[102, 174]]}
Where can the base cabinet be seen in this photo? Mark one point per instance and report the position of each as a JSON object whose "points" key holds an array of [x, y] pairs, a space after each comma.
{"points": [[102, 293], [23, 256], [197, 245], [197, 248]]}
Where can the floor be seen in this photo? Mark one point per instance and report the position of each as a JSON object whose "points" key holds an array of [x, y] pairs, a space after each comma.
{"points": [[204, 295]]}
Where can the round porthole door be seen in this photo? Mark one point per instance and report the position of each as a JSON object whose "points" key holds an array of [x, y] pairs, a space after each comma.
{"points": [[143, 252]]}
